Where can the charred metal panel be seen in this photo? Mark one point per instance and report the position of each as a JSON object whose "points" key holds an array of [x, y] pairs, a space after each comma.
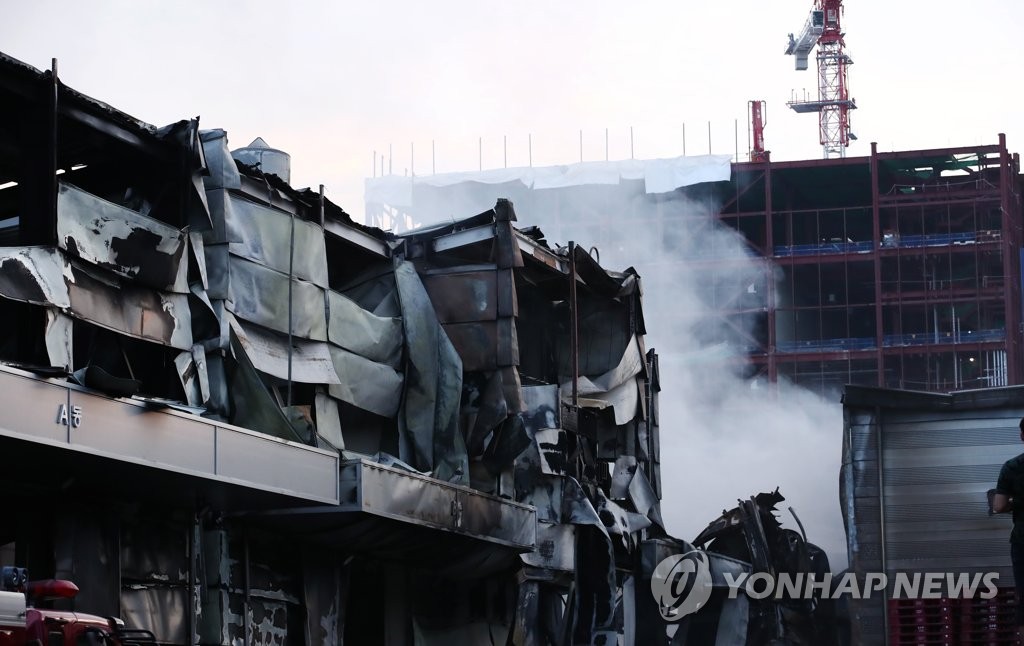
{"points": [[409, 497], [195, 381], [463, 297], [616, 389], [556, 548], [377, 338], [217, 270], [541, 409], [198, 257], [59, 345], [328, 421], [158, 608], [252, 404], [121, 240], [357, 237], [39, 422], [119, 428], [34, 275], [324, 582], [129, 431], [43, 277], [262, 234], [146, 314], [155, 575], [371, 386], [87, 551], [476, 343], [260, 294], [223, 173], [604, 336], [308, 362], [277, 465], [429, 416], [508, 302]]}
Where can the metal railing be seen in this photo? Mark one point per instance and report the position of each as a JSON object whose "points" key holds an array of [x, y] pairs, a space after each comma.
{"points": [[889, 341], [888, 242]]}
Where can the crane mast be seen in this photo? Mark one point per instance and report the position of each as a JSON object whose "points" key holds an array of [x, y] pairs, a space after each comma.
{"points": [[824, 30]]}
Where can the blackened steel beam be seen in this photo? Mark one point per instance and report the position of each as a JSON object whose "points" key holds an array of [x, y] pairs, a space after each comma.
{"points": [[769, 267], [150, 146], [1011, 266], [573, 332], [911, 154], [876, 237]]}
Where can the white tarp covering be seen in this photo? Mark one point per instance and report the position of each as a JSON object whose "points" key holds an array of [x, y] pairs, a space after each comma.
{"points": [[659, 175]]}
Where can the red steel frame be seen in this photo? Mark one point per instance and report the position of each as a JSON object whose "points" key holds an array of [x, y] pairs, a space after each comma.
{"points": [[1008, 243]]}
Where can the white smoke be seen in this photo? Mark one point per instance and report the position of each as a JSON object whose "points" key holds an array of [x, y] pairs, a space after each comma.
{"points": [[724, 435]]}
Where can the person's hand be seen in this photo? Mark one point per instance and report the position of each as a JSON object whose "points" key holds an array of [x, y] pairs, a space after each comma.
{"points": [[991, 494]]}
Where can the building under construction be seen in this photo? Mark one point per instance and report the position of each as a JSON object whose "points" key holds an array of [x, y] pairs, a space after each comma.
{"points": [[899, 269]]}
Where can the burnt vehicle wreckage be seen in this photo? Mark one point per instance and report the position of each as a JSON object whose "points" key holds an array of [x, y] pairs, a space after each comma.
{"points": [[243, 417]]}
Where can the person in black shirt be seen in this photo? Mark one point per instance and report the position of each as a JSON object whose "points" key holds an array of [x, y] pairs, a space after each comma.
{"points": [[1008, 496]]}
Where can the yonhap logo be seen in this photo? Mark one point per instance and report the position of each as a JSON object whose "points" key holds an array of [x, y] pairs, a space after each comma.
{"points": [[681, 584]]}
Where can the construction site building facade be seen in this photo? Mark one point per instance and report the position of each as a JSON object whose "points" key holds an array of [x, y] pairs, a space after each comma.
{"points": [[897, 269]]}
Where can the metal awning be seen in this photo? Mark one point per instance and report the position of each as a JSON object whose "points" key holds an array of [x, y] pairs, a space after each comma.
{"points": [[398, 514], [98, 439]]}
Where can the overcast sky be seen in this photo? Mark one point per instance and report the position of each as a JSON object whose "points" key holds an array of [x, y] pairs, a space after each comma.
{"points": [[330, 82]]}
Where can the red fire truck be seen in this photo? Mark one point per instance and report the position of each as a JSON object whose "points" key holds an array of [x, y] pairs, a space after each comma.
{"points": [[22, 624]]}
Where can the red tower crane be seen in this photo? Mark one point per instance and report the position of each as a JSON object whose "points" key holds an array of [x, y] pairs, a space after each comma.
{"points": [[833, 106]]}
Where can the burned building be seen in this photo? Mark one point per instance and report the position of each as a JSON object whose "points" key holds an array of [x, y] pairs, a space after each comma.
{"points": [[897, 269], [234, 415]]}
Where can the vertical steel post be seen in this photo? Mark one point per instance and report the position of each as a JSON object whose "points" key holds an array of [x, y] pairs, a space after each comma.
{"points": [[247, 621], [573, 330], [736, 138], [51, 206], [192, 621], [1009, 249], [876, 241], [769, 274], [321, 205], [881, 517], [291, 280]]}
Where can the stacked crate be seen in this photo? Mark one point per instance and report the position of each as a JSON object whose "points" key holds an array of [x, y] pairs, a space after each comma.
{"points": [[989, 622], [954, 622], [923, 622]]}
